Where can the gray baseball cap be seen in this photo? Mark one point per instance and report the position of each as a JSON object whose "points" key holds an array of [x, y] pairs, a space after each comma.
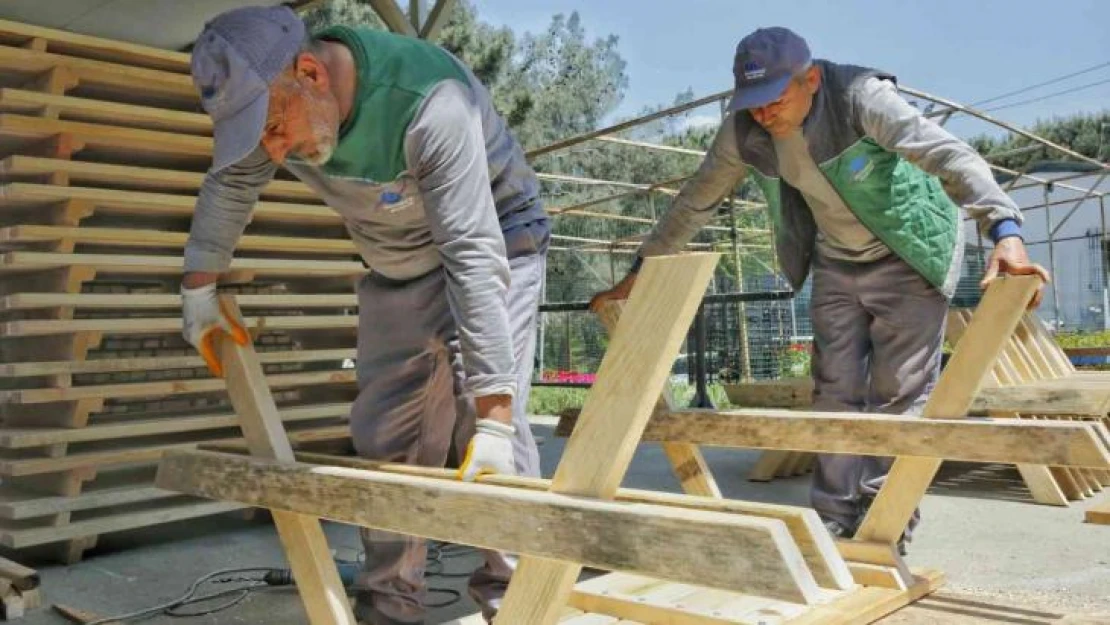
{"points": [[235, 58], [764, 63]]}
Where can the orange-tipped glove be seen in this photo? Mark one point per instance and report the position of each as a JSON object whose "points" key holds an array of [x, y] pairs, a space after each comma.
{"points": [[490, 451], [204, 319]]}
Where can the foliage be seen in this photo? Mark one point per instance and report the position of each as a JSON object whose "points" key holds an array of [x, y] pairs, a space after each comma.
{"points": [[1083, 339], [1088, 134], [552, 400]]}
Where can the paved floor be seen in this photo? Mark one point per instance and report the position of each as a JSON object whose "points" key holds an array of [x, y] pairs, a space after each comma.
{"points": [[1007, 560]]}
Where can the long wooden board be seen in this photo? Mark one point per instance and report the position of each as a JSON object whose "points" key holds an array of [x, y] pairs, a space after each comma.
{"points": [[159, 363], [141, 325], [134, 238], [97, 48], [15, 262], [101, 112], [167, 301]]}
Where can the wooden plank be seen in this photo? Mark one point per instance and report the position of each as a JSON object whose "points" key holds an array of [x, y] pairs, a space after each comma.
{"points": [[1070, 443], [393, 17], [158, 363], [1050, 397], [133, 146], [681, 544], [21, 538], [136, 238], [21, 577], [23, 195], [687, 462], [167, 301], [786, 393], [76, 44], [805, 527], [631, 377], [116, 81], [140, 325], [306, 547], [1099, 514], [18, 505], [437, 17], [101, 112], [16, 262], [122, 177], [909, 478], [19, 438], [168, 387], [136, 454]]}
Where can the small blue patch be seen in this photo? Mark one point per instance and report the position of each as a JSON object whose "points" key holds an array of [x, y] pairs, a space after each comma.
{"points": [[857, 164], [391, 197]]}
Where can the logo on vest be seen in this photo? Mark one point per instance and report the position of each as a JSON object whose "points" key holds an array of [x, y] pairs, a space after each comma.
{"points": [[394, 200], [861, 167], [752, 71]]}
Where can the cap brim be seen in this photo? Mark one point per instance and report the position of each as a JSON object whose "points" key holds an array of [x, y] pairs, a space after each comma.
{"points": [[237, 136], [758, 95]]}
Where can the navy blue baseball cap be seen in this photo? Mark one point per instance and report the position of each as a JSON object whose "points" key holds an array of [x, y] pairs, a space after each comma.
{"points": [[235, 58], [765, 62]]}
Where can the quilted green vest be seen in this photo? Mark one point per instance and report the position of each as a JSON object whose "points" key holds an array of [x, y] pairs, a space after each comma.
{"points": [[396, 74], [903, 206]]}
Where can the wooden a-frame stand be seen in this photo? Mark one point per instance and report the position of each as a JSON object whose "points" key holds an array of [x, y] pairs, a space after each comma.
{"points": [[693, 558]]}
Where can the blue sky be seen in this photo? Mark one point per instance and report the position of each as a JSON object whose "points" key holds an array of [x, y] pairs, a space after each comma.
{"points": [[966, 50]]}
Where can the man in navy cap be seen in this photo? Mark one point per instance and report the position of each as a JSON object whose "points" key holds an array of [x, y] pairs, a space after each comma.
{"points": [[864, 194], [402, 140]]}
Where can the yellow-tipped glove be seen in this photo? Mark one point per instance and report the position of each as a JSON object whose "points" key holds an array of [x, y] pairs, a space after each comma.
{"points": [[490, 451], [204, 319]]}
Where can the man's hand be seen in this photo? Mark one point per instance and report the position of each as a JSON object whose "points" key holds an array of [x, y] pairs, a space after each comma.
{"points": [[204, 320], [490, 451], [618, 292], [1009, 256]]}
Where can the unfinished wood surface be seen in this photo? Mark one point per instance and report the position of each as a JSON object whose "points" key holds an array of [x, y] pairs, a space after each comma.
{"points": [[120, 488], [158, 363], [909, 478], [21, 577], [168, 301], [98, 111], [128, 177], [16, 262], [21, 438], [785, 393], [306, 547], [24, 195], [681, 544], [129, 145], [114, 80], [1099, 514], [136, 238], [139, 325], [169, 387], [629, 382], [687, 462], [1075, 443], [1057, 397], [97, 48], [805, 527]]}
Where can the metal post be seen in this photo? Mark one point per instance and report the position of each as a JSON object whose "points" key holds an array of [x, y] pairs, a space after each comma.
{"points": [[543, 324], [701, 390], [741, 309], [1105, 262], [1052, 260]]}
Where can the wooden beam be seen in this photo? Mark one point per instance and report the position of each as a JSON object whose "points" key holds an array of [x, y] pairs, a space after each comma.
{"points": [[745, 553], [393, 17], [437, 18], [630, 379], [995, 319], [1064, 443], [306, 547]]}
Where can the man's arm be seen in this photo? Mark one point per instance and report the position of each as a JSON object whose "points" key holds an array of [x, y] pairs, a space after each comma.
{"points": [[446, 150], [222, 212], [719, 173], [886, 117]]}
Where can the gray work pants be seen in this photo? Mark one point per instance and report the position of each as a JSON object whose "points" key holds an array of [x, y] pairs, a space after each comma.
{"points": [[409, 409], [878, 330]]}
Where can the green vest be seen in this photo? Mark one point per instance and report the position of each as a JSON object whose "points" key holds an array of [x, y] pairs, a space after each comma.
{"points": [[903, 206], [396, 73]]}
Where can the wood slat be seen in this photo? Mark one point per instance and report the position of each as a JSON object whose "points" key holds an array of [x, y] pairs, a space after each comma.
{"points": [[112, 80], [23, 195], [157, 363], [133, 146], [165, 388], [97, 48], [166, 301], [139, 239], [19, 262], [128, 177], [138, 325], [100, 112]]}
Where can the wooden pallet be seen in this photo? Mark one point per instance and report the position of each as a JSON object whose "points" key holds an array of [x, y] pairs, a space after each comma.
{"points": [[586, 519], [103, 149]]}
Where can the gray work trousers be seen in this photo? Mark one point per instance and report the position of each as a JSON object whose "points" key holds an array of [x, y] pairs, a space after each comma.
{"points": [[409, 410], [878, 330]]}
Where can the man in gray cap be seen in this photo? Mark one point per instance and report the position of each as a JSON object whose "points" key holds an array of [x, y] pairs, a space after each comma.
{"points": [[864, 193], [401, 139]]}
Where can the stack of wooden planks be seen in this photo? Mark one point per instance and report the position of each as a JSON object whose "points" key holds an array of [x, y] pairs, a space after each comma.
{"points": [[19, 590], [102, 151]]}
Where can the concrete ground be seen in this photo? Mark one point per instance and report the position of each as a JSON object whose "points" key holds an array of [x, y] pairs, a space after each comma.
{"points": [[1007, 560]]}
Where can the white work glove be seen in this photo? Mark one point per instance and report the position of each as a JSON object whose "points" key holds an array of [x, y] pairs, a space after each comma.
{"points": [[204, 320], [490, 451]]}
